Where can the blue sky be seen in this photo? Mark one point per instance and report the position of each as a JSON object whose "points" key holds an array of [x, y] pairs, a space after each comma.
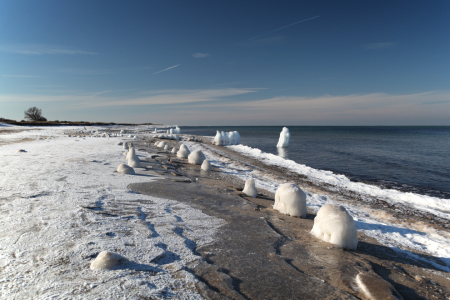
{"points": [[227, 62]]}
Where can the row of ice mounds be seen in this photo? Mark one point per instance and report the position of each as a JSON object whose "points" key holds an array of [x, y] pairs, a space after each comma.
{"points": [[227, 138], [167, 136]]}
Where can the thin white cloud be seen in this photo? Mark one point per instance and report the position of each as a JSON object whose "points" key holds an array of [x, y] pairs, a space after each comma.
{"points": [[201, 55], [166, 69], [43, 50], [298, 22], [374, 46]]}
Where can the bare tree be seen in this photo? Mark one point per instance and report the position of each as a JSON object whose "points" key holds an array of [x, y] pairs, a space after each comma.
{"points": [[34, 114]]}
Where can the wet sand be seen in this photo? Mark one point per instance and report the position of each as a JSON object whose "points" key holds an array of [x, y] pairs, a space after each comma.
{"points": [[262, 254]]}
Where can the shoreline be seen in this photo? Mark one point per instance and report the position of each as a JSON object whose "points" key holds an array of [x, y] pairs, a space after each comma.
{"points": [[256, 252]]}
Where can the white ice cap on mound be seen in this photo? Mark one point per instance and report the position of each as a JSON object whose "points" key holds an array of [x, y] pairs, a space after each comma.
{"points": [[334, 225], [206, 165], [125, 169], [174, 150], [290, 200], [250, 189], [162, 144], [196, 157], [285, 136], [166, 147], [106, 261], [183, 152]]}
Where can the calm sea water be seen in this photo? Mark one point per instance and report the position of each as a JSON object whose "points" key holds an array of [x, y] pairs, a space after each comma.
{"points": [[415, 159]]}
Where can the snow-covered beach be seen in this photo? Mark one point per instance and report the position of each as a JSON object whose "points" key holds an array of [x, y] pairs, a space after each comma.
{"points": [[63, 203]]}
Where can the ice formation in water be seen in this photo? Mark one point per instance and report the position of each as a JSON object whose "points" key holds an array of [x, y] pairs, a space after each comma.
{"points": [[283, 142], [227, 138], [290, 200], [334, 225], [106, 261], [125, 169], [206, 165], [183, 152], [162, 144], [166, 147], [196, 157], [250, 189], [175, 130]]}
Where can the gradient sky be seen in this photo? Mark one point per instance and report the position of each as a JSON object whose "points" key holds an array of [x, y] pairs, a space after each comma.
{"points": [[227, 62]]}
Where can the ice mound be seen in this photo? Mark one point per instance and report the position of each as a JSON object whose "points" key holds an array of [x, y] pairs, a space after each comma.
{"points": [[174, 150], [196, 157], [162, 144], [107, 260], [250, 189], [175, 130], [166, 147], [133, 160], [285, 136], [125, 169], [122, 131], [290, 200], [334, 225], [375, 287], [125, 146], [227, 138], [206, 165], [183, 152]]}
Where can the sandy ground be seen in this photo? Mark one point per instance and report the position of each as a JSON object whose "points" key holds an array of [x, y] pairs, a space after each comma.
{"points": [[262, 254]]}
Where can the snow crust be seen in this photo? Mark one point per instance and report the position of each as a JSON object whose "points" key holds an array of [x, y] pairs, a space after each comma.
{"points": [[183, 152], [206, 165], [196, 157], [250, 189], [55, 220], [227, 138], [285, 136], [290, 200], [334, 225]]}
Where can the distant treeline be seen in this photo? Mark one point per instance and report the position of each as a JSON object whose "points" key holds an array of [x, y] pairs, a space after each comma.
{"points": [[61, 123]]}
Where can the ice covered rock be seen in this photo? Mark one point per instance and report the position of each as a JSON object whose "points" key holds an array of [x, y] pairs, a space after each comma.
{"points": [[227, 138], [125, 169], [183, 152], [162, 144], [196, 157], [250, 189], [334, 225], [166, 147], [290, 200], [206, 165], [285, 136], [107, 260], [174, 150]]}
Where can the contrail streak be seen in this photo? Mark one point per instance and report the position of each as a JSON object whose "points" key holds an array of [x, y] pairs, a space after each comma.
{"points": [[166, 69], [283, 27]]}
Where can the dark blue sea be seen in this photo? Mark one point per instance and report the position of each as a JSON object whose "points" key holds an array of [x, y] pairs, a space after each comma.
{"points": [[409, 158]]}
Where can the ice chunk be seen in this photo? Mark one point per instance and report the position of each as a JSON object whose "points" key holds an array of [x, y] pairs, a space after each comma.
{"points": [[122, 131], [227, 138], [183, 152], [174, 150], [162, 144], [125, 169], [107, 260], [166, 147], [133, 160], [125, 145], [206, 165], [196, 157], [334, 225], [285, 136], [250, 189], [290, 200]]}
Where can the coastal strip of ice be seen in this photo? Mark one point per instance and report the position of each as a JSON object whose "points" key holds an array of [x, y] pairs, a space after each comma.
{"points": [[61, 204], [440, 207]]}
